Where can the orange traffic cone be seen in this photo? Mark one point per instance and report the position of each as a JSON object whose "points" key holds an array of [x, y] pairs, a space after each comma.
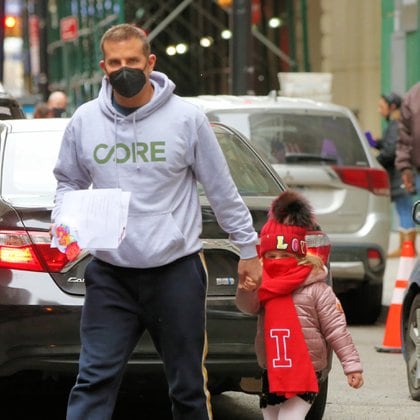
{"points": [[392, 337]]}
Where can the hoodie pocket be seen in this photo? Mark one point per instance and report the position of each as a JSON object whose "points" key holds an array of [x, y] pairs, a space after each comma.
{"points": [[153, 235]]}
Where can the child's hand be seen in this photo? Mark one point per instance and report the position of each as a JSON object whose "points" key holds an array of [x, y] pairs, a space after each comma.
{"points": [[355, 379], [249, 272], [248, 285]]}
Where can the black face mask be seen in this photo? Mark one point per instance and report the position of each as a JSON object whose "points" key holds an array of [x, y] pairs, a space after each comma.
{"points": [[127, 81], [59, 112]]}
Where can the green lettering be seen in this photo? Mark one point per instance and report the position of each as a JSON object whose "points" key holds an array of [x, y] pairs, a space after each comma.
{"points": [[156, 148], [123, 153], [133, 151], [141, 151], [124, 148], [107, 156]]}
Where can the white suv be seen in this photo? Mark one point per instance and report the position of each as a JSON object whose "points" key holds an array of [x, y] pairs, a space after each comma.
{"points": [[320, 150]]}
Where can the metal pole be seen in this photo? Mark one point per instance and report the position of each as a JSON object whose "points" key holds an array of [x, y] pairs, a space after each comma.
{"points": [[240, 46], [272, 47], [2, 19], [304, 11], [165, 22], [43, 43], [291, 33]]}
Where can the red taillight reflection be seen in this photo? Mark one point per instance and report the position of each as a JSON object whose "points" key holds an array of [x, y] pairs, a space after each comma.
{"points": [[374, 258], [373, 179], [318, 243], [31, 251]]}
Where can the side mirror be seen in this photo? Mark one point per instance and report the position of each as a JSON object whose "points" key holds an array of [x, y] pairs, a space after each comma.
{"points": [[416, 212]]}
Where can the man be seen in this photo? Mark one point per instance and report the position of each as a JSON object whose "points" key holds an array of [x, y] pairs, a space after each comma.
{"points": [[407, 158], [57, 103], [140, 137], [42, 110]]}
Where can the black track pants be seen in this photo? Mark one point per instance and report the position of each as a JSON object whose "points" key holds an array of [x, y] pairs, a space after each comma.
{"points": [[120, 303]]}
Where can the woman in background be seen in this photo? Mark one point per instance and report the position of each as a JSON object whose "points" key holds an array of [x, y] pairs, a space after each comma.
{"points": [[389, 108]]}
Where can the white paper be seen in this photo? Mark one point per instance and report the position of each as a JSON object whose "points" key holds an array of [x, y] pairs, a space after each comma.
{"points": [[97, 216]]}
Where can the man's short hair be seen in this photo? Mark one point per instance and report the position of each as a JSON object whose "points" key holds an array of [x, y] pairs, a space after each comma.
{"points": [[123, 32]]}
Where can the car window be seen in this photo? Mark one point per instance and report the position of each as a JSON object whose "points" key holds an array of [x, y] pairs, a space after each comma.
{"points": [[298, 137], [248, 172], [28, 164]]}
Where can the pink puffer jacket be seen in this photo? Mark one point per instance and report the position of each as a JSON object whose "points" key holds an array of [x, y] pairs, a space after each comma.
{"points": [[322, 319]]}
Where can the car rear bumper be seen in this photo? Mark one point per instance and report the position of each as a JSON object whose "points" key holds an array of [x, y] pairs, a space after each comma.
{"points": [[64, 360], [46, 338], [349, 269], [351, 265]]}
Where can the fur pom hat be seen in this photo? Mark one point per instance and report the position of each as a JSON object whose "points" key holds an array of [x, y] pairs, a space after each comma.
{"points": [[289, 219]]}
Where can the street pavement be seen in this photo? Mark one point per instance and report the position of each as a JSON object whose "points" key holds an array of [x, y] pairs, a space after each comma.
{"points": [[385, 394]]}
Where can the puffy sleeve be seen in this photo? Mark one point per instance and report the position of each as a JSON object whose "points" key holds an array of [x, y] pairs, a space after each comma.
{"points": [[334, 328]]}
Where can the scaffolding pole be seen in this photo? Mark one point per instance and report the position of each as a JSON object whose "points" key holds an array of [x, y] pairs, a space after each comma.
{"points": [[241, 48]]}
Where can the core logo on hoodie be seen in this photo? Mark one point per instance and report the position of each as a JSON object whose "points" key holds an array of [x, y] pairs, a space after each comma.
{"points": [[134, 152]]}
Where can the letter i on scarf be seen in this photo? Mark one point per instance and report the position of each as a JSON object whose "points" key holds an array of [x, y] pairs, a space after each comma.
{"points": [[289, 366]]}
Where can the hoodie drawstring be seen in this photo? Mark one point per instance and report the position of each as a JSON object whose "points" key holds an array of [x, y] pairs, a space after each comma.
{"points": [[135, 141], [115, 151]]}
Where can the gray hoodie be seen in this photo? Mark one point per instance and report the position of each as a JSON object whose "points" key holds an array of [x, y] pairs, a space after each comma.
{"points": [[162, 150]]}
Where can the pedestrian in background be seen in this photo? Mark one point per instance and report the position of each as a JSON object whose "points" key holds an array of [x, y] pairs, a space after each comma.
{"points": [[42, 110], [299, 316], [156, 279], [407, 158], [57, 102], [389, 108]]}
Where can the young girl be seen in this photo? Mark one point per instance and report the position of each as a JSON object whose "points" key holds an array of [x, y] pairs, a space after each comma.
{"points": [[299, 315]]}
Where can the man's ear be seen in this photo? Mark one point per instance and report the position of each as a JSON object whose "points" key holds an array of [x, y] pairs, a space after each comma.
{"points": [[102, 65], [151, 62]]}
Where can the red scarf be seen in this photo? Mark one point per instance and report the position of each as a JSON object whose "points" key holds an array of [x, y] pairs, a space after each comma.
{"points": [[289, 366]]}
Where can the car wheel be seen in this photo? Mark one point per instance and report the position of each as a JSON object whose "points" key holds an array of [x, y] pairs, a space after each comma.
{"points": [[363, 305], [412, 348], [318, 407]]}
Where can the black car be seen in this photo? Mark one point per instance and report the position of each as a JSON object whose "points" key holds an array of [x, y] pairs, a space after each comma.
{"points": [[9, 107], [42, 293]]}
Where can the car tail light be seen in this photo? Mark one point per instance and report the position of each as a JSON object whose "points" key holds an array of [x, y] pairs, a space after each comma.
{"points": [[318, 243], [31, 251], [374, 258], [373, 179]]}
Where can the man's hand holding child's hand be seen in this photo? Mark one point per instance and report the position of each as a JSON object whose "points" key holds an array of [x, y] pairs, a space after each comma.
{"points": [[250, 273], [248, 285]]}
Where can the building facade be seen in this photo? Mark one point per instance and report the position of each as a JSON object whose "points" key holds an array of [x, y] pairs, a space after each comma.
{"points": [[206, 46], [400, 45]]}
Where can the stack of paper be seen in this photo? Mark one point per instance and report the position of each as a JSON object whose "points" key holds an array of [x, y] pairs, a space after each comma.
{"points": [[97, 217]]}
